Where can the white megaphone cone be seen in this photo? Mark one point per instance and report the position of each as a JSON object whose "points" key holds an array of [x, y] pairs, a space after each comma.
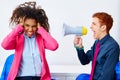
{"points": [[79, 30]]}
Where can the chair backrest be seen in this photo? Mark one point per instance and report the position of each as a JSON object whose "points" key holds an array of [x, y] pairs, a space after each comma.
{"points": [[6, 67], [117, 69], [83, 76]]}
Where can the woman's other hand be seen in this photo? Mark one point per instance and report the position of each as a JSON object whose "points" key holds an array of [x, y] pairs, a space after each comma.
{"points": [[21, 21]]}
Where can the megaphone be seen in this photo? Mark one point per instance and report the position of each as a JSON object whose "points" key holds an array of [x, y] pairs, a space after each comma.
{"points": [[79, 30]]}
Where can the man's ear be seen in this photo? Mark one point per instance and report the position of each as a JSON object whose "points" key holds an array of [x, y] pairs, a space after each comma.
{"points": [[103, 27]]}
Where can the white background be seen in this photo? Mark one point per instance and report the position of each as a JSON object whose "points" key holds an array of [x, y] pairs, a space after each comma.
{"points": [[72, 12]]}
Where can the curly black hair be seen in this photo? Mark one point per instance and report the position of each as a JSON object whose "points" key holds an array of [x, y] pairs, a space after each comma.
{"points": [[29, 10]]}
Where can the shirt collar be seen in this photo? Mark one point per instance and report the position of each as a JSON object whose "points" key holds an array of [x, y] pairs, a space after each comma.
{"points": [[33, 36], [104, 39]]}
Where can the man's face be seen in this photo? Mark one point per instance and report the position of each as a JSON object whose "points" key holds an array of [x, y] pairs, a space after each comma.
{"points": [[96, 28], [30, 27]]}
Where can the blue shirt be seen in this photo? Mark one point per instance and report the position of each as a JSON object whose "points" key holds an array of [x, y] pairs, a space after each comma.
{"points": [[31, 61], [107, 58]]}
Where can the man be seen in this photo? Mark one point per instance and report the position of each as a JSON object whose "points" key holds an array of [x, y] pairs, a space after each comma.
{"points": [[108, 53]]}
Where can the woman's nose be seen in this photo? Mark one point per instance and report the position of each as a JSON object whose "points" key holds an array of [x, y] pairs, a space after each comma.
{"points": [[30, 28]]}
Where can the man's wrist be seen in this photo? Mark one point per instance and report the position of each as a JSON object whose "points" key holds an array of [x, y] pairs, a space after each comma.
{"points": [[79, 48]]}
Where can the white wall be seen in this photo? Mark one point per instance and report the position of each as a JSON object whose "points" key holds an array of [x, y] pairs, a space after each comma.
{"points": [[72, 12]]}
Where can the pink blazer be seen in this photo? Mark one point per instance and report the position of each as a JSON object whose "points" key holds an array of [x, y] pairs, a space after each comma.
{"points": [[15, 40]]}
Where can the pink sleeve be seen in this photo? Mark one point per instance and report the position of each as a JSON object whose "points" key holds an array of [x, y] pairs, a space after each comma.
{"points": [[49, 41], [9, 42]]}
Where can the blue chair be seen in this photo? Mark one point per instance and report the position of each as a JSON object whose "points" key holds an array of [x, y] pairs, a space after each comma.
{"points": [[117, 69], [83, 76], [6, 67]]}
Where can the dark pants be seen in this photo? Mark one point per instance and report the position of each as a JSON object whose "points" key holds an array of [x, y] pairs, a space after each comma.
{"points": [[27, 78]]}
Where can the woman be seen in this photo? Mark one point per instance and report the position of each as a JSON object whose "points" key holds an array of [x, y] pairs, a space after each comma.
{"points": [[29, 39]]}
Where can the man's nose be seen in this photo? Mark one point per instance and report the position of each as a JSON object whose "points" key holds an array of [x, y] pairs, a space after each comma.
{"points": [[91, 27]]}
